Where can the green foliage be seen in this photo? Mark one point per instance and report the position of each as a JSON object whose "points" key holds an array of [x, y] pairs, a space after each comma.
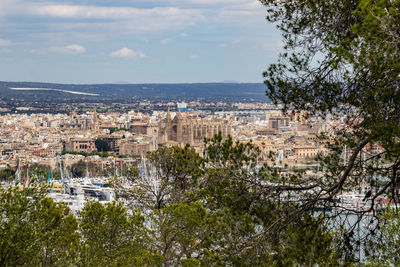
{"points": [[102, 145], [177, 171], [128, 156], [19, 244], [315, 244], [7, 174], [357, 39], [112, 237], [86, 154], [351, 66], [34, 230], [213, 211], [39, 172], [58, 233], [253, 226], [79, 169], [385, 251], [230, 154], [217, 210], [341, 59], [181, 229]]}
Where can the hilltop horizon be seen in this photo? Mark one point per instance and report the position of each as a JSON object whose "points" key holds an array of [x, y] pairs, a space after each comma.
{"points": [[130, 83], [59, 91]]}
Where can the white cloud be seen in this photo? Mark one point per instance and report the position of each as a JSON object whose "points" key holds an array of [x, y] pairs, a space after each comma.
{"points": [[127, 53], [99, 12], [173, 15], [183, 34], [194, 56], [7, 6], [166, 41], [178, 11], [243, 13], [69, 49], [213, 2], [4, 42], [112, 19], [223, 45]]}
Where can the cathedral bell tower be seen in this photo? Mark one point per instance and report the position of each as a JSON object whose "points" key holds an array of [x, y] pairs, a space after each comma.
{"points": [[168, 125], [95, 120], [179, 128]]}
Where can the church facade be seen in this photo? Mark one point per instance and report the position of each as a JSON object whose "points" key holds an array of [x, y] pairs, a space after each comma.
{"points": [[182, 130]]}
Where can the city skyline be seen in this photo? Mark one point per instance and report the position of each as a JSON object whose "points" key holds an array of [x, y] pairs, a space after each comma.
{"points": [[169, 41]]}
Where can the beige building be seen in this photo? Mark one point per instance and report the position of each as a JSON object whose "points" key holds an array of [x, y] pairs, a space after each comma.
{"points": [[51, 150], [80, 145], [190, 130], [139, 128], [305, 151], [135, 148]]}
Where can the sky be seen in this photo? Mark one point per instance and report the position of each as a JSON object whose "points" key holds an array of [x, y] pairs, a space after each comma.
{"points": [[135, 41]]}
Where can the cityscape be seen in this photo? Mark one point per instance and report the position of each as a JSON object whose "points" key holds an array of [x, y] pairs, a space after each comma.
{"points": [[199, 133], [41, 138]]}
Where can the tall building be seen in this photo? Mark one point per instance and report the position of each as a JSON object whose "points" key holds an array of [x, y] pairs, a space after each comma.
{"points": [[182, 130], [95, 120]]}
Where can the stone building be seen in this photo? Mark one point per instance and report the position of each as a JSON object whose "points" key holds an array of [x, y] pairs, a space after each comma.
{"points": [[113, 141], [277, 122], [80, 145], [95, 121], [138, 128], [135, 148], [306, 151], [46, 151], [182, 130]]}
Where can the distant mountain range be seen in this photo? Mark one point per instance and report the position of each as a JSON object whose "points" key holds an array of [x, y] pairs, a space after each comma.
{"points": [[123, 91]]}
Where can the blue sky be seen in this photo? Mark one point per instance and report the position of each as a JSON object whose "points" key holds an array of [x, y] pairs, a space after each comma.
{"points": [[135, 41]]}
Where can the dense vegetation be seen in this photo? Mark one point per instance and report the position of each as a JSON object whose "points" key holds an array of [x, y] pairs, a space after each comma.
{"points": [[102, 145], [190, 211], [186, 210], [341, 59]]}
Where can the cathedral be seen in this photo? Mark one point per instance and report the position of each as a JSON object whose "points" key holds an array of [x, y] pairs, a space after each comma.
{"points": [[182, 130]]}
